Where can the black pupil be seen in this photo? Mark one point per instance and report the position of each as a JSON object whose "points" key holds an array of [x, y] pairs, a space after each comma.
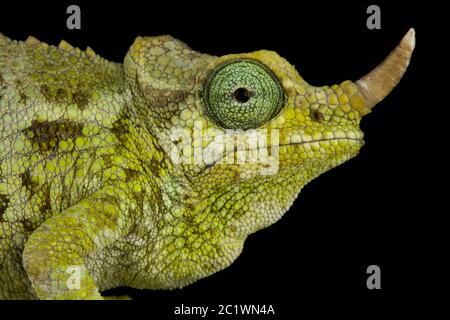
{"points": [[242, 95]]}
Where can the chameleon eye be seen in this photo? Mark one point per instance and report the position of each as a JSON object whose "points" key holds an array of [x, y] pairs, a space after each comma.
{"points": [[242, 94]]}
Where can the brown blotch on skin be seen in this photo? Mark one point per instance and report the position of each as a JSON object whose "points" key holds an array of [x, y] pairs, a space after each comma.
{"points": [[23, 97], [107, 160], [27, 225], [28, 183], [178, 95], [45, 90], [139, 200], [81, 99], [160, 101], [45, 205], [317, 116], [120, 129], [34, 188], [44, 132], [131, 174], [19, 86], [61, 95], [161, 98], [4, 203]]}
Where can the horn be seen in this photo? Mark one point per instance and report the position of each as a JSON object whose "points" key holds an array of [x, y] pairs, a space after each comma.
{"points": [[380, 81]]}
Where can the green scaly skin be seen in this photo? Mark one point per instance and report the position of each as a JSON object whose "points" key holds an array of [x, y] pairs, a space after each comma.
{"points": [[86, 179]]}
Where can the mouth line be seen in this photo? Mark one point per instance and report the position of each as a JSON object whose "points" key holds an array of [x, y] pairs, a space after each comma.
{"points": [[300, 143], [319, 140], [360, 140]]}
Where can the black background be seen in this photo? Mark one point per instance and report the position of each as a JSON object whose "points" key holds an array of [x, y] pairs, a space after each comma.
{"points": [[369, 210]]}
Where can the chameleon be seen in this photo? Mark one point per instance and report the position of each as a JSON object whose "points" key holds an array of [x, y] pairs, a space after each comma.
{"points": [[137, 174]]}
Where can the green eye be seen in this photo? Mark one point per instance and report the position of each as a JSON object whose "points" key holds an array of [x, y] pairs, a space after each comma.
{"points": [[242, 94]]}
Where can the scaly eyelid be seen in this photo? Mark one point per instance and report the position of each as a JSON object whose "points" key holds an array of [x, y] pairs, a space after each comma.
{"points": [[220, 100]]}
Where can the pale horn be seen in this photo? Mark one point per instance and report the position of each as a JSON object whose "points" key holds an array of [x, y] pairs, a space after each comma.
{"points": [[377, 84]]}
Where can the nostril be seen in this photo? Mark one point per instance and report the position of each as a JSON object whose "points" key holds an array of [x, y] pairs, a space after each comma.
{"points": [[317, 116]]}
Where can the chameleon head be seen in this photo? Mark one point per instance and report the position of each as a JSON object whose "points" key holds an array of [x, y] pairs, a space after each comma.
{"points": [[247, 132]]}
